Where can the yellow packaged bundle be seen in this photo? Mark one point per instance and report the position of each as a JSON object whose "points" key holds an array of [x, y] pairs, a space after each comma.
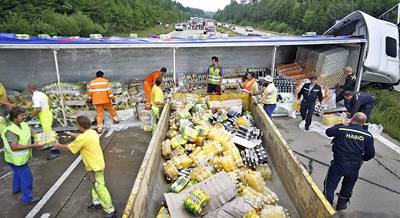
{"points": [[182, 161], [170, 171], [243, 122], [251, 214], [202, 129], [200, 140], [166, 148], [235, 154], [179, 184], [191, 183], [219, 135], [228, 164], [255, 180], [270, 196], [227, 146], [296, 105], [217, 163], [212, 147], [177, 141], [196, 151], [214, 105], [200, 118], [196, 202], [189, 134], [200, 173], [45, 138], [177, 151], [163, 213], [185, 115], [190, 147], [256, 199], [265, 171], [274, 211], [331, 119], [172, 133]]}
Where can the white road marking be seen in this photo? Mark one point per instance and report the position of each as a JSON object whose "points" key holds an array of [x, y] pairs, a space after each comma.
{"points": [[55, 187], [388, 143]]}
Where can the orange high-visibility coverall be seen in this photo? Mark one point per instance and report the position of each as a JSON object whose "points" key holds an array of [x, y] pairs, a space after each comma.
{"points": [[149, 82], [99, 91]]}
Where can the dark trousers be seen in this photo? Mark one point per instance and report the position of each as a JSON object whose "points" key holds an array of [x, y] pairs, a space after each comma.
{"points": [[306, 110], [367, 109], [340, 96], [269, 109], [337, 170], [22, 181], [211, 88]]}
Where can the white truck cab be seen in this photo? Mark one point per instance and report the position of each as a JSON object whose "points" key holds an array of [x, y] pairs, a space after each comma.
{"points": [[381, 64]]}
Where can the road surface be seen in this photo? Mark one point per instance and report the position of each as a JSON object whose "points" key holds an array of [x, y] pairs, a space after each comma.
{"points": [[185, 33], [123, 153], [241, 30], [377, 191]]}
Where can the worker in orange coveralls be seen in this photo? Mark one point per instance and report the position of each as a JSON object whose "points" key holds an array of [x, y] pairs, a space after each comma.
{"points": [[149, 82], [100, 94]]}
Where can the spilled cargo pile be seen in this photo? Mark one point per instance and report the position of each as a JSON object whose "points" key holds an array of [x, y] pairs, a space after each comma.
{"points": [[216, 163]]}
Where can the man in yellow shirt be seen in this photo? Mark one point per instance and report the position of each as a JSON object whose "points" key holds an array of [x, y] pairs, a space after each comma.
{"points": [[88, 144], [157, 102]]}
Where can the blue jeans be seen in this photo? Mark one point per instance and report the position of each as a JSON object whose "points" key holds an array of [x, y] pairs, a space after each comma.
{"points": [[269, 109], [22, 181]]}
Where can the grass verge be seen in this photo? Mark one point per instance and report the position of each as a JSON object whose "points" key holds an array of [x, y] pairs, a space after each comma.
{"points": [[386, 111], [156, 30]]}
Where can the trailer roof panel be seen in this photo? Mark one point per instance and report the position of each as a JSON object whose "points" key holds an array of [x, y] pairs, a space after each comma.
{"points": [[10, 41]]}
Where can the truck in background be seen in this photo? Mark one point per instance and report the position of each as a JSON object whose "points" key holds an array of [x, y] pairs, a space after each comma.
{"points": [[381, 63]]}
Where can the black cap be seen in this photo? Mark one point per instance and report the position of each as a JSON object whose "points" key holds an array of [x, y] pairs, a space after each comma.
{"points": [[99, 74], [163, 69]]}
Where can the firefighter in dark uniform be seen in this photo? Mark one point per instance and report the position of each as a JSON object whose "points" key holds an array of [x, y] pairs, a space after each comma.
{"points": [[351, 146], [349, 84], [359, 102], [310, 92]]}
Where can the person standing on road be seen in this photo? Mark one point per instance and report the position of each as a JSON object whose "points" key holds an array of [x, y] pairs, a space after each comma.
{"points": [[88, 145], [44, 114], [360, 102], [269, 96], [149, 82], [100, 94], [349, 84], [17, 153], [215, 76], [351, 146], [310, 92], [157, 102], [250, 84]]}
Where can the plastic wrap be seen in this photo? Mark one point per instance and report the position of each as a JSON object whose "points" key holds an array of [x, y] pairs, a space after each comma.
{"points": [[178, 141], [170, 171], [182, 161], [265, 171], [196, 202], [179, 184], [200, 173], [166, 148], [273, 211], [255, 180], [163, 213]]}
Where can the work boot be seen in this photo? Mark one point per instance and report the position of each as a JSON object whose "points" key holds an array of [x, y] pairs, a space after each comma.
{"points": [[100, 130], [342, 203], [93, 207], [111, 215], [116, 120], [34, 200], [307, 128], [54, 153]]}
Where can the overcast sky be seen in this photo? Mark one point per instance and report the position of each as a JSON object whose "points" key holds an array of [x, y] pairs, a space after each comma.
{"points": [[206, 5]]}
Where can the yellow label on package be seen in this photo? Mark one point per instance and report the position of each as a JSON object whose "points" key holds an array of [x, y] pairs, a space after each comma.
{"points": [[163, 213], [196, 202]]}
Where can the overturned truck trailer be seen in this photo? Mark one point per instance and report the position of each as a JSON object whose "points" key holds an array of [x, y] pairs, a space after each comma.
{"points": [[70, 59], [296, 189]]}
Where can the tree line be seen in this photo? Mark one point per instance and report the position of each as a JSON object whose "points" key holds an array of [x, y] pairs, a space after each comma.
{"points": [[298, 16], [83, 17]]}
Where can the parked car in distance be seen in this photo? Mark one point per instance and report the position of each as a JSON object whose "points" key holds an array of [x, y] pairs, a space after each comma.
{"points": [[178, 27], [248, 29], [232, 27]]}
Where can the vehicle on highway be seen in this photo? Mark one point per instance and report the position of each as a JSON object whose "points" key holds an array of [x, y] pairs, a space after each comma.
{"points": [[178, 27], [212, 31], [248, 29], [231, 27]]}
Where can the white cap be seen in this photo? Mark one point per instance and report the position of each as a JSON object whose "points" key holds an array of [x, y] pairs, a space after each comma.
{"points": [[269, 78]]}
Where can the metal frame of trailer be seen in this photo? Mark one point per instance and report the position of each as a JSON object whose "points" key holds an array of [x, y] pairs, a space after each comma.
{"points": [[307, 198], [9, 41]]}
